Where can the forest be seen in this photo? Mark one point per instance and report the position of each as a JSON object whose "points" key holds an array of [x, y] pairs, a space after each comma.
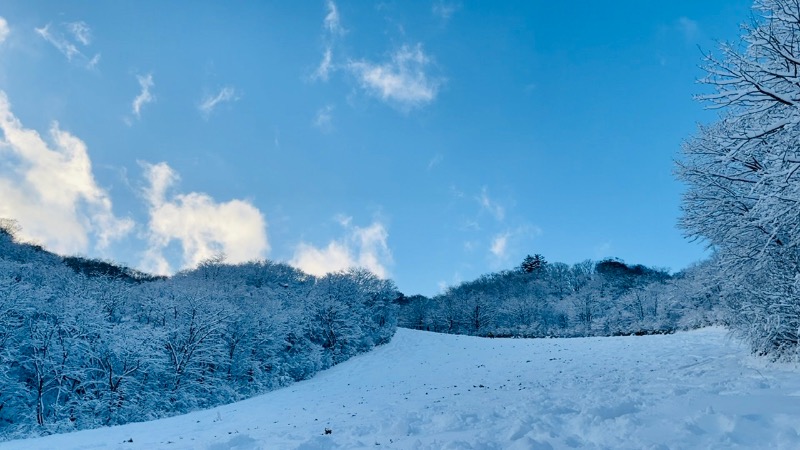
{"points": [[85, 343], [541, 299]]}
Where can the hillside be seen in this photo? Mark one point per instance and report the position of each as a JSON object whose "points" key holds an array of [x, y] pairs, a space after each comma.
{"points": [[695, 389]]}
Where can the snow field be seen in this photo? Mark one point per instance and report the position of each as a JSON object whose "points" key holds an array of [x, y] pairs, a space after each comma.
{"points": [[432, 391]]}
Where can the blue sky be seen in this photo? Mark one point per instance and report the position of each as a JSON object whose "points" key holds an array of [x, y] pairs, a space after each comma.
{"points": [[429, 141]]}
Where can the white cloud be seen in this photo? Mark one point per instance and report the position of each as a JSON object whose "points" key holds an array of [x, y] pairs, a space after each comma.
{"points": [[203, 227], [492, 207], [80, 31], [374, 253], [209, 102], [4, 30], [324, 119], [502, 245], [160, 177], [65, 47], [49, 188], [445, 10], [325, 66], [81, 34], [335, 257], [402, 81], [361, 247], [499, 245], [93, 62], [333, 24], [332, 31], [145, 96]]}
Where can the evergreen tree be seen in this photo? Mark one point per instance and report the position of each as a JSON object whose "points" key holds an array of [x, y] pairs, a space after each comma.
{"points": [[533, 263]]}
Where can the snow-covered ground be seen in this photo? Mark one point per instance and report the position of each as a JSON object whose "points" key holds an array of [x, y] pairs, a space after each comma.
{"points": [[432, 391]]}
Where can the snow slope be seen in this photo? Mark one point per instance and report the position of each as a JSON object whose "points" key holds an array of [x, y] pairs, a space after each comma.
{"points": [[433, 391]]}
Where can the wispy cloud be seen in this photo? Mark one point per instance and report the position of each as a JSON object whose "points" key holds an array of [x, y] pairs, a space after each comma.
{"points": [[209, 102], [445, 10], [92, 63], [49, 187], [4, 30], [402, 81], [332, 31], [491, 206], [332, 22], [325, 66], [203, 227], [80, 31], [324, 119], [435, 161], [365, 247], [145, 96], [66, 40], [65, 47]]}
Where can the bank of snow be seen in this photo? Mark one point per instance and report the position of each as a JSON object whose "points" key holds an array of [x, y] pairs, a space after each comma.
{"points": [[432, 391]]}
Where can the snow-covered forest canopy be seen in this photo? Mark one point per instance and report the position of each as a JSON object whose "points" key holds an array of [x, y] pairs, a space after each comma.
{"points": [[85, 343], [602, 298]]}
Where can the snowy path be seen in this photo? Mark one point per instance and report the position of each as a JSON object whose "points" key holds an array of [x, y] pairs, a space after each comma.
{"points": [[432, 391]]}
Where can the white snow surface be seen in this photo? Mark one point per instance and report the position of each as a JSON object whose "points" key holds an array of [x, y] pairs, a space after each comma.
{"points": [[695, 389]]}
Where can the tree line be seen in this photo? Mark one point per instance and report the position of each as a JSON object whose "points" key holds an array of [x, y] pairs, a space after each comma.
{"points": [[541, 299]]}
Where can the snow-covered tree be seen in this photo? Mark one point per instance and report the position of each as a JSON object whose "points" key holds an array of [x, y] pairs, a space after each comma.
{"points": [[743, 174]]}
